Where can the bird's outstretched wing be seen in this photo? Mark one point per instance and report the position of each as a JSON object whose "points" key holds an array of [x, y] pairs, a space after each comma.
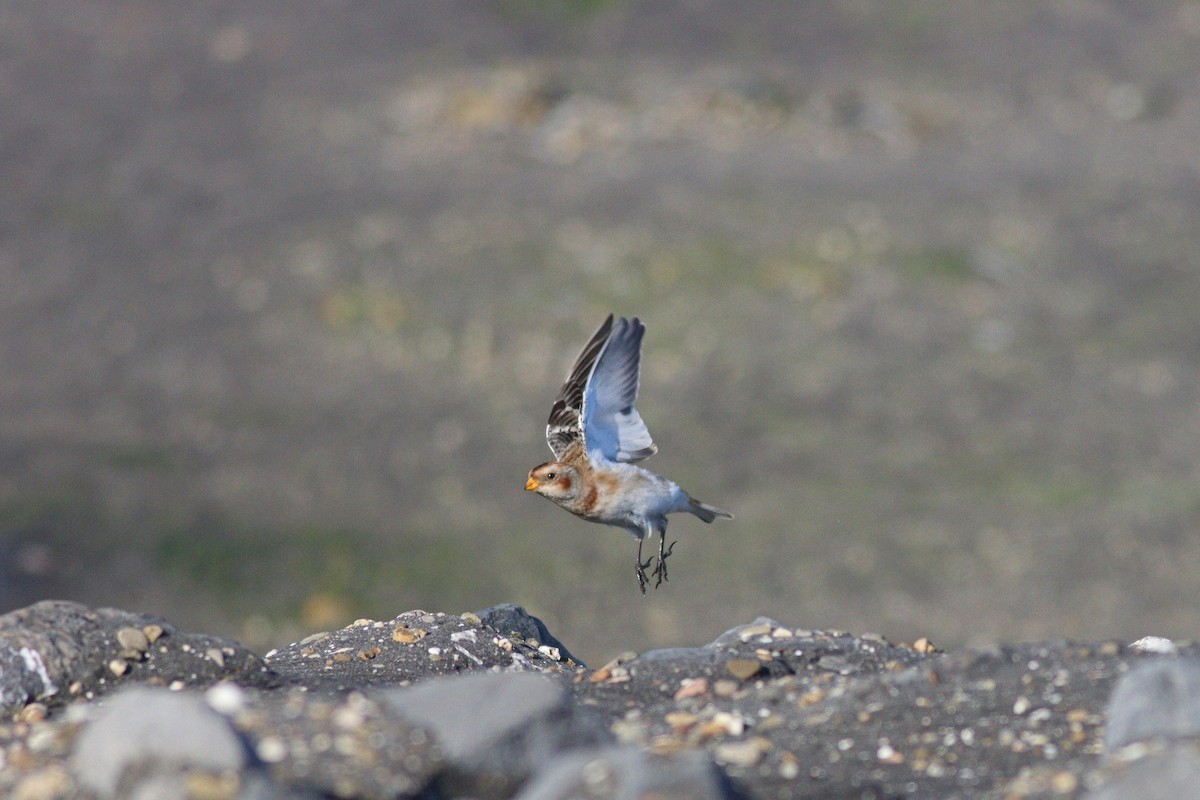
{"points": [[566, 415], [612, 427], [595, 405]]}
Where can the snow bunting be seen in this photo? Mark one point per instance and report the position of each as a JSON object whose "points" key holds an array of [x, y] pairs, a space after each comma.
{"points": [[596, 434]]}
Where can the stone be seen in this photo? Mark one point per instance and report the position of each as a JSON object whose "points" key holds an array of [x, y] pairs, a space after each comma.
{"points": [[1170, 775], [155, 730], [415, 646], [133, 639], [495, 729], [743, 668], [626, 772], [56, 648], [509, 618], [1157, 699]]}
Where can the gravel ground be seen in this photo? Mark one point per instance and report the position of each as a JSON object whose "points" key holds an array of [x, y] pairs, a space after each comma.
{"points": [[434, 705], [286, 291]]}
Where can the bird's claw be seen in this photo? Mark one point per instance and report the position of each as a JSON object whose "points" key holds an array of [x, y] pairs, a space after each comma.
{"points": [[660, 565], [641, 574], [660, 568]]}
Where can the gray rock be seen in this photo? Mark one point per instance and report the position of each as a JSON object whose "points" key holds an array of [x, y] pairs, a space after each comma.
{"points": [[1170, 775], [496, 729], [627, 773], [1158, 699], [149, 731], [49, 646]]}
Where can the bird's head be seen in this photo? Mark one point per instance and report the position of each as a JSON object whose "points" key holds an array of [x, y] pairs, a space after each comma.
{"points": [[554, 480]]}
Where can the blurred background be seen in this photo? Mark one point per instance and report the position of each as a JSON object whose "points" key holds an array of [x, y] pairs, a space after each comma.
{"points": [[287, 289]]}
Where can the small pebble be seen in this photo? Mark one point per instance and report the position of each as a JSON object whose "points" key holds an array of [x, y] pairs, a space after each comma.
{"points": [[722, 724], [471, 618], [118, 666], [888, 755], [725, 688], [600, 675], [1078, 715], [743, 668], [742, 754], [620, 675], [47, 784], [665, 746], [34, 712], [207, 786], [271, 749], [153, 632], [226, 698], [133, 639], [1064, 782], [750, 631], [1155, 644], [216, 656], [691, 687], [681, 721], [406, 635]]}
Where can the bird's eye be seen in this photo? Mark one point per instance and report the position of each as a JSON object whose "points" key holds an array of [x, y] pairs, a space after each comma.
{"points": [[550, 476]]}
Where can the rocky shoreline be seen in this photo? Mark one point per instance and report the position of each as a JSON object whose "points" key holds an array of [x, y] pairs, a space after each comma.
{"points": [[102, 703]]}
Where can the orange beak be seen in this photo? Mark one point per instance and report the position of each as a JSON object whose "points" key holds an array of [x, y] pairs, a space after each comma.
{"points": [[530, 485]]}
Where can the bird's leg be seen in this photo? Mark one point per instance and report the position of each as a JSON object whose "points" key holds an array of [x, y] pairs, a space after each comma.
{"points": [[660, 569], [641, 569]]}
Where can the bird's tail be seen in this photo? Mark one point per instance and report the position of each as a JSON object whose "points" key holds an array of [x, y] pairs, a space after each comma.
{"points": [[706, 512]]}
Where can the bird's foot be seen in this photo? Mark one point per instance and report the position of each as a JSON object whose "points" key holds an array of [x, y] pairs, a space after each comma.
{"points": [[641, 573], [660, 568]]}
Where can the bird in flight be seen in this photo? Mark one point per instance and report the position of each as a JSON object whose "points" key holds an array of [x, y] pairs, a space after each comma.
{"points": [[596, 435]]}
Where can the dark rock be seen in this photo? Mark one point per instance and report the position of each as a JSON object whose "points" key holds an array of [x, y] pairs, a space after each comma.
{"points": [[497, 729], [509, 619], [415, 646], [1157, 699], [627, 772], [149, 734], [55, 650]]}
